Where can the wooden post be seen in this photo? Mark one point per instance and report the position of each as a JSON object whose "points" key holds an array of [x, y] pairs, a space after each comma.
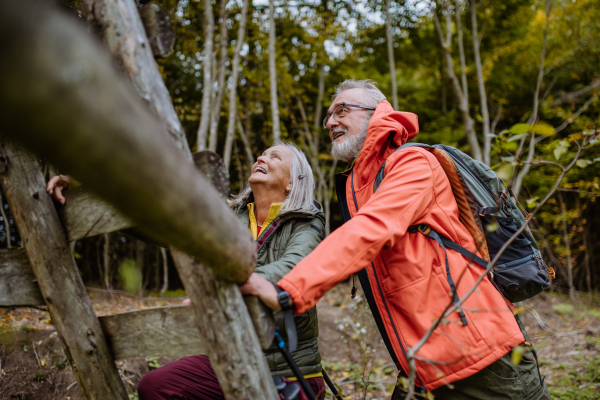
{"points": [[101, 131], [58, 277]]}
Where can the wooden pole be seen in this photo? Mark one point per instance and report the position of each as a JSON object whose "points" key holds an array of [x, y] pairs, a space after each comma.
{"points": [[98, 120], [58, 277]]}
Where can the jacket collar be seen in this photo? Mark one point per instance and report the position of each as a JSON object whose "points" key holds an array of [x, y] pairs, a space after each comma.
{"points": [[388, 130]]}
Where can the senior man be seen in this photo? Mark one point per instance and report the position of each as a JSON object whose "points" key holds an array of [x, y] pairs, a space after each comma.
{"points": [[402, 273]]}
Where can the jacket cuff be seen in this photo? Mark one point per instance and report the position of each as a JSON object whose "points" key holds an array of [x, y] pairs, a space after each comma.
{"points": [[299, 304]]}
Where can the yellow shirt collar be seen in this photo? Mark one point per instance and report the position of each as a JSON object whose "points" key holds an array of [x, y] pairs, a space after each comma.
{"points": [[273, 213]]}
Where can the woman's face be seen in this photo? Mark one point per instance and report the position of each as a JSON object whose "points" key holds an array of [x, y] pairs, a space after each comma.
{"points": [[272, 169]]}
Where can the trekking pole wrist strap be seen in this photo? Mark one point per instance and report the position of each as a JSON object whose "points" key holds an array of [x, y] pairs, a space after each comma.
{"points": [[284, 301]]}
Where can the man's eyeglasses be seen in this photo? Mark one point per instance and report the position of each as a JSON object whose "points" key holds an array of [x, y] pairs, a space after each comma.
{"points": [[341, 110]]}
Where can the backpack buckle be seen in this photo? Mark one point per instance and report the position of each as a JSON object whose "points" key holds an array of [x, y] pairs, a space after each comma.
{"points": [[424, 229]]}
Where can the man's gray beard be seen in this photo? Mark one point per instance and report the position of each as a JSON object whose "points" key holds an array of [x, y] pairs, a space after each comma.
{"points": [[347, 150]]}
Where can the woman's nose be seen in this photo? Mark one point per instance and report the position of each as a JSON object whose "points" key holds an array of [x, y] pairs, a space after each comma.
{"points": [[262, 158]]}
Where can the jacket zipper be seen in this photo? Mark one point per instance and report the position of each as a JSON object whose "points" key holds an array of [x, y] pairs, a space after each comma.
{"points": [[383, 299], [515, 263], [362, 274]]}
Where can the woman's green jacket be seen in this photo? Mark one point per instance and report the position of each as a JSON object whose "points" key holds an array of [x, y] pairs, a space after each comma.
{"points": [[286, 241]]}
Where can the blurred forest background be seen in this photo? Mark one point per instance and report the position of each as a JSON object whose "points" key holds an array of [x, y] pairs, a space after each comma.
{"points": [[505, 81]]}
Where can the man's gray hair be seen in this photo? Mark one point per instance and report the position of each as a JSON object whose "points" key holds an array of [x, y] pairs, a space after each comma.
{"points": [[373, 93], [303, 184]]}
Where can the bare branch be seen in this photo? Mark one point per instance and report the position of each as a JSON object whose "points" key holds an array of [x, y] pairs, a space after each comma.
{"points": [[576, 114]]}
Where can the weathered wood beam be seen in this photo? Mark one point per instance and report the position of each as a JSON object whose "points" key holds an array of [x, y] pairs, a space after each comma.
{"points": [[119, 24], [58, 277], [155, 332], [226, 328], [18, 284], [18, 287], [85, 215], [86, 115]]}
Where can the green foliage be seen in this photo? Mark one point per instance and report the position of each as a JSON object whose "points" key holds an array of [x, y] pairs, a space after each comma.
{"points": [[130, 277], [563, 308], [579, 384], [153, 363], [38, 376], [25, 328]]}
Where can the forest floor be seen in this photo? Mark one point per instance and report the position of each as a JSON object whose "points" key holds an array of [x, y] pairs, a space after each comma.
{"points": [[32, 365]]}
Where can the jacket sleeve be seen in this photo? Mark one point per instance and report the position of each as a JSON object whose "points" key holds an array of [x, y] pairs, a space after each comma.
{"points": [[306, 235], [402, 199]]}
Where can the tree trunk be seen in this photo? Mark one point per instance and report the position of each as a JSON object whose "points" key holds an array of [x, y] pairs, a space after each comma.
{"points": [[56, 272], [5, 221], [461, 52], [241, 373], [273, 73], [390, 48], [516, 187], [106, 261], [567, 242], [247, 148], [165, 264], [216, 112], [485, 115], [234, 82], [140, 263], [207, 88], [463, 104], [102, 135], [124, 37]]}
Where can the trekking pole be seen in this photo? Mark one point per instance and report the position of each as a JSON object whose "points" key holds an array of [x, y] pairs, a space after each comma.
{"points": [[290, 361], [332, 387]]}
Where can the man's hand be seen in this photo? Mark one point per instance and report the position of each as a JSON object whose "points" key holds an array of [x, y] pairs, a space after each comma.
{"points": [[263, 289], [55, 187]]}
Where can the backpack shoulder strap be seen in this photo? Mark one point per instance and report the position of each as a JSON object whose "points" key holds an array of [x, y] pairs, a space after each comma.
{"points": [[381, 173]]}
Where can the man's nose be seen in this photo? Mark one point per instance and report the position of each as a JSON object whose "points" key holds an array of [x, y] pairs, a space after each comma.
{"points": [[331, 122]]}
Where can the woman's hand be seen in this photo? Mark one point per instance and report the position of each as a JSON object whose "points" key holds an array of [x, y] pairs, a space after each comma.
{"points": [[263, 289], [55, 187]]}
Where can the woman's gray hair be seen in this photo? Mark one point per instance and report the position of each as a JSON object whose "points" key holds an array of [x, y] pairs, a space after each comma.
{"points": [[374, 95], [303, 184]]}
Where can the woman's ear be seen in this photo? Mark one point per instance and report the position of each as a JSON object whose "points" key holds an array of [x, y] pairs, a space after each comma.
{"points": [[288, 187]]}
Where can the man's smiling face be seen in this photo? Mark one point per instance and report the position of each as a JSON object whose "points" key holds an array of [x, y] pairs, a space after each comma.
{"points": [[347, 134]]}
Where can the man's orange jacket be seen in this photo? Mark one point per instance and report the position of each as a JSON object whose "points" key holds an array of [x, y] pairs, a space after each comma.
{"points": [[403, 274]]}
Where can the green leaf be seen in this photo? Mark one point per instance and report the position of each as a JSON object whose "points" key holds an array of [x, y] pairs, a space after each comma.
{"points": [[596, 159], [492, 227], [561, 148], [508, 159], [543, 128], [505, 172], [516, 137], [516, 355], [583, 163], [520, 128], [532, 202]]}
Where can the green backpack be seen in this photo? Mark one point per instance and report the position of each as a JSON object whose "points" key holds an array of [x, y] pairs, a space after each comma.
{"points": [[491, 216]]}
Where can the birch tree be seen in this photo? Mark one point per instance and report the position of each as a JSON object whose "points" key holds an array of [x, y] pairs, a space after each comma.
{"points": [[218, 98], [273, 73], [460, 91], [207, 88], [485, 115], [234, 82], [390, 48]]}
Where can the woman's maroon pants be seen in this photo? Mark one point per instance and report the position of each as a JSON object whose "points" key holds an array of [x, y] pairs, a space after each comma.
{"points": [[192, 378]]}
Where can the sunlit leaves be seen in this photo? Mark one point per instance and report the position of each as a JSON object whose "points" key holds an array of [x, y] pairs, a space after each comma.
{"points": [[543, 128], [519, 129], [584, 163], [561, 148]]}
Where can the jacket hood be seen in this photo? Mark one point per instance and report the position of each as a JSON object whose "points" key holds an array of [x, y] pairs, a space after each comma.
{"points": [[388, 130]]}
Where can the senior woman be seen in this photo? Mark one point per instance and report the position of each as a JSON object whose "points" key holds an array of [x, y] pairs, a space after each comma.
{"points": [[278, 207]]}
